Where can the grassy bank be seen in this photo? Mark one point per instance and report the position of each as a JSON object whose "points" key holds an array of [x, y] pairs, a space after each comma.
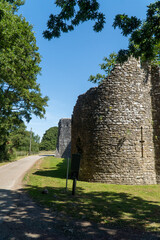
{"points": [[19, 156], [4, 163], [113, 205]]}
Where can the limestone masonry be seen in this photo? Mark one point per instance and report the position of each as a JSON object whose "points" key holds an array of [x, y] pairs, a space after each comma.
{"points": [[116, 127], [64, 138]]}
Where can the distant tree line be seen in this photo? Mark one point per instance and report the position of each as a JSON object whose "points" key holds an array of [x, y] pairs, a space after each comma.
{"points": [[18, 143], [49, 139], [19, 140]]}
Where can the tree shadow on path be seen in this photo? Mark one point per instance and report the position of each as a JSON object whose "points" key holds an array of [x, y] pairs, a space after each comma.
{"points": [[20, 218]]}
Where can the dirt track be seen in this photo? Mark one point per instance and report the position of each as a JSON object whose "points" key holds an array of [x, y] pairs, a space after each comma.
{"points": [[12, 173], [21, 218]]}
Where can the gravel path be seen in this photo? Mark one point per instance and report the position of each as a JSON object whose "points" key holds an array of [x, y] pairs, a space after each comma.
{"points": [[12, 173], [21, 218]]}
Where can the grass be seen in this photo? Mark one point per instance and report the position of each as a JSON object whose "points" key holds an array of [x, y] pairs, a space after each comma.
{"points": [[13, 160], [3, 163], [7, 162], [17, 158], [113, 205], [47, 152], [20, 157]]}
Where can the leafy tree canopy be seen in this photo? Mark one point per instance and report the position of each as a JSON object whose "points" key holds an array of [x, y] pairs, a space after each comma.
{"points": [[49, 140], [74, 12], [144, 35], [144, 40], [20, 95], [19, 139], [15, 3], [107, 67]]}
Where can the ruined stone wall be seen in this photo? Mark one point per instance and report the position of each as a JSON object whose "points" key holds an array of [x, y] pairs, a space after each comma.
{"points": [[155, 97], [64, 138], [113, 128]]}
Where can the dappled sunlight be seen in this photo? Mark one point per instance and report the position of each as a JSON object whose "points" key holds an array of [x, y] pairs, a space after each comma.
{"points": [[57, 172], [109, 209], [20, 218], [96, 208]]}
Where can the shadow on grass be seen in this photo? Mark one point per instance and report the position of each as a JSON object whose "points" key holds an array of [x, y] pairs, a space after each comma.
{"points": [[47, 155], [115, 210], [127, 216], [58, 172], [20, 218]]}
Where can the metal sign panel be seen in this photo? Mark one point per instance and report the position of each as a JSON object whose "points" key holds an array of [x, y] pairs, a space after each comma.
{"points": [[75, 165]]}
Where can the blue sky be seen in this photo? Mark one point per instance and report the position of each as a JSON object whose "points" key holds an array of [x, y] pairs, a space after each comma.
{"points": [[68, 62]]}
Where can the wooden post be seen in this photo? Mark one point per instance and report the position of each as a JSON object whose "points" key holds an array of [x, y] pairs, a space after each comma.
{"points": [[74, 186], [30, 145]]}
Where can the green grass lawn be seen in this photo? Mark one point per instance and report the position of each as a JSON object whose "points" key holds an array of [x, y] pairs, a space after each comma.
{"points": [[3, 163], [113, 205], [17, 158]]}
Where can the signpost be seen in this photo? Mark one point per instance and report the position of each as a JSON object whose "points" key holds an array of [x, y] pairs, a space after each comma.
{"points": [[75, 165], [67, 173]]}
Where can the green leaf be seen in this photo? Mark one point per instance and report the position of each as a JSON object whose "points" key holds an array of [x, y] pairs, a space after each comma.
{"points": [[107, 67]]}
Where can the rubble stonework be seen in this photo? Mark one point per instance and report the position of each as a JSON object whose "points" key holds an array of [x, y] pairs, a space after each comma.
{"points": [[116, 127], [64, 138]]}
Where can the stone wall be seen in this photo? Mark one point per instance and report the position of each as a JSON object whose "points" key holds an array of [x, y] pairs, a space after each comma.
{"points": [[114, 128], [155, 97], [64, 138]]}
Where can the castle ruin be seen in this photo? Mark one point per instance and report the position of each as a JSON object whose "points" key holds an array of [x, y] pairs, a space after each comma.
{"points": [[116, 127], [64, 138]]}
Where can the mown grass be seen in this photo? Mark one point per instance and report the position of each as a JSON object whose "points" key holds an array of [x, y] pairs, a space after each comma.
{"points": [[3, 163], [12, 160], [113, 205], [7, 162], [52, 152]]}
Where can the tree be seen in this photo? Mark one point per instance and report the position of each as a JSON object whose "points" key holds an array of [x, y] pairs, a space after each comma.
{"points": [[107, 66], [74, 12], [15, 3], [144, 39], [20, 95], [19, 139], [49, 140]]}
